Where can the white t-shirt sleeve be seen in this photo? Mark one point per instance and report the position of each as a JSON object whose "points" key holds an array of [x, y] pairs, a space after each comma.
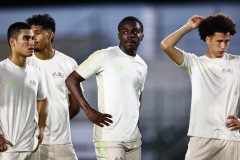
{"points": [[189, 60], [94, 64], [144, 79]]}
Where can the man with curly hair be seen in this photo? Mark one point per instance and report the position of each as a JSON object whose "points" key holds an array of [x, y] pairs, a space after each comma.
{"points": [[54, 67], [215, 79]]}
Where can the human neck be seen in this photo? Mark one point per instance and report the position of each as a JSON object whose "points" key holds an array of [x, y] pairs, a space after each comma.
{"points": [[45, 54], [18, 61]]}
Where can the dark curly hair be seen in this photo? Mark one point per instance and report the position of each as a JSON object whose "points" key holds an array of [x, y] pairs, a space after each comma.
{"points": [[130, 18], [44, 20], [217, 22]]}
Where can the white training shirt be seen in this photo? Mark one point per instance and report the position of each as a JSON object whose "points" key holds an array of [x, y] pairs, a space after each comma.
{"points": [[215, 95], [20, 88], [54, 73], [120, 80]]}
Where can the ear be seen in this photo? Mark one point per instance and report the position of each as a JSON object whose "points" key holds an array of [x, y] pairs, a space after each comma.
{"points": [[207, 39], [51, 35], [12, 41], [118, 35], [141, 37]]}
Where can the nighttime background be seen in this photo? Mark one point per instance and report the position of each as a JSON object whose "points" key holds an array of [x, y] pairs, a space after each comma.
{"points": [[83, 27]]}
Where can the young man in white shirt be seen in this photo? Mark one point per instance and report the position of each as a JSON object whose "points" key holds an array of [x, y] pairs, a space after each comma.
{"points": [[214, 125], [22, 96], [121, 75], [54, 67]]}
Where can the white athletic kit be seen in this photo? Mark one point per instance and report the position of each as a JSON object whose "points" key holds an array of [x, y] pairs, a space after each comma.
{"points": [[120, 80], [20, 88], [215, 95], [57, 143], [54, 72]]}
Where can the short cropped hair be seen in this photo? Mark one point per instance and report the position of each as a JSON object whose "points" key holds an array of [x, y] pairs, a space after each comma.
{"points": [[130, 18], [14, 29]]}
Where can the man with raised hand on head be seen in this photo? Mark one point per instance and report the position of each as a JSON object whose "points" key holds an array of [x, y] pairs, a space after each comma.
{"points": [[214, 125]]}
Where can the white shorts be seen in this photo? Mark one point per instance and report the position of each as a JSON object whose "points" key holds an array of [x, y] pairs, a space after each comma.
{"points": [[15, 155], [57, 152], [215, 149], [118, 150], [20, 155]]}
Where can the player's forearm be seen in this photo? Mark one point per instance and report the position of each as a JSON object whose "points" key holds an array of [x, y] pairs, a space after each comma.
{"points": [[74, 109], [175, 37], [73, 84], [43, 113]]}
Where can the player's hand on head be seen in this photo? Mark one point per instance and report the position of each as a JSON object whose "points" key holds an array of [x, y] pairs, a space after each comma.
{"points": [[195, 21]]}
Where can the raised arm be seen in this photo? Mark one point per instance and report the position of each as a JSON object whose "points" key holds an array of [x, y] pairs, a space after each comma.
{"points": [[42, 107], [168, 44], [73, 84]]}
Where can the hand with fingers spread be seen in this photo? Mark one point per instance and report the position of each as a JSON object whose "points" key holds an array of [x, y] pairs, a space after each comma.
{"points": [[233, 122], [3, 143], [98, 118]]}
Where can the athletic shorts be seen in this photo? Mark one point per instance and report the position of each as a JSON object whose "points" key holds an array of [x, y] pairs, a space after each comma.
{"points": [[20, 155], [212, 149], [57, 152], [118, 150], [15, 155]]}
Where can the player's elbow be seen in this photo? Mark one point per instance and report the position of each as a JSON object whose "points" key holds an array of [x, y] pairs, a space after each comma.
{"points": [[164, 46]]}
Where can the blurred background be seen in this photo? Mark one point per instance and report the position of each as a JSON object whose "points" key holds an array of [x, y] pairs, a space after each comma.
{"points": [[83, 27]]}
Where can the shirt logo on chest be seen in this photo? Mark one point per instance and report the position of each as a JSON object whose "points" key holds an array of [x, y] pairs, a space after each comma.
{"points": [[120, 67], [14, 82], [32, 83], [227, 70], [57, 75]]}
